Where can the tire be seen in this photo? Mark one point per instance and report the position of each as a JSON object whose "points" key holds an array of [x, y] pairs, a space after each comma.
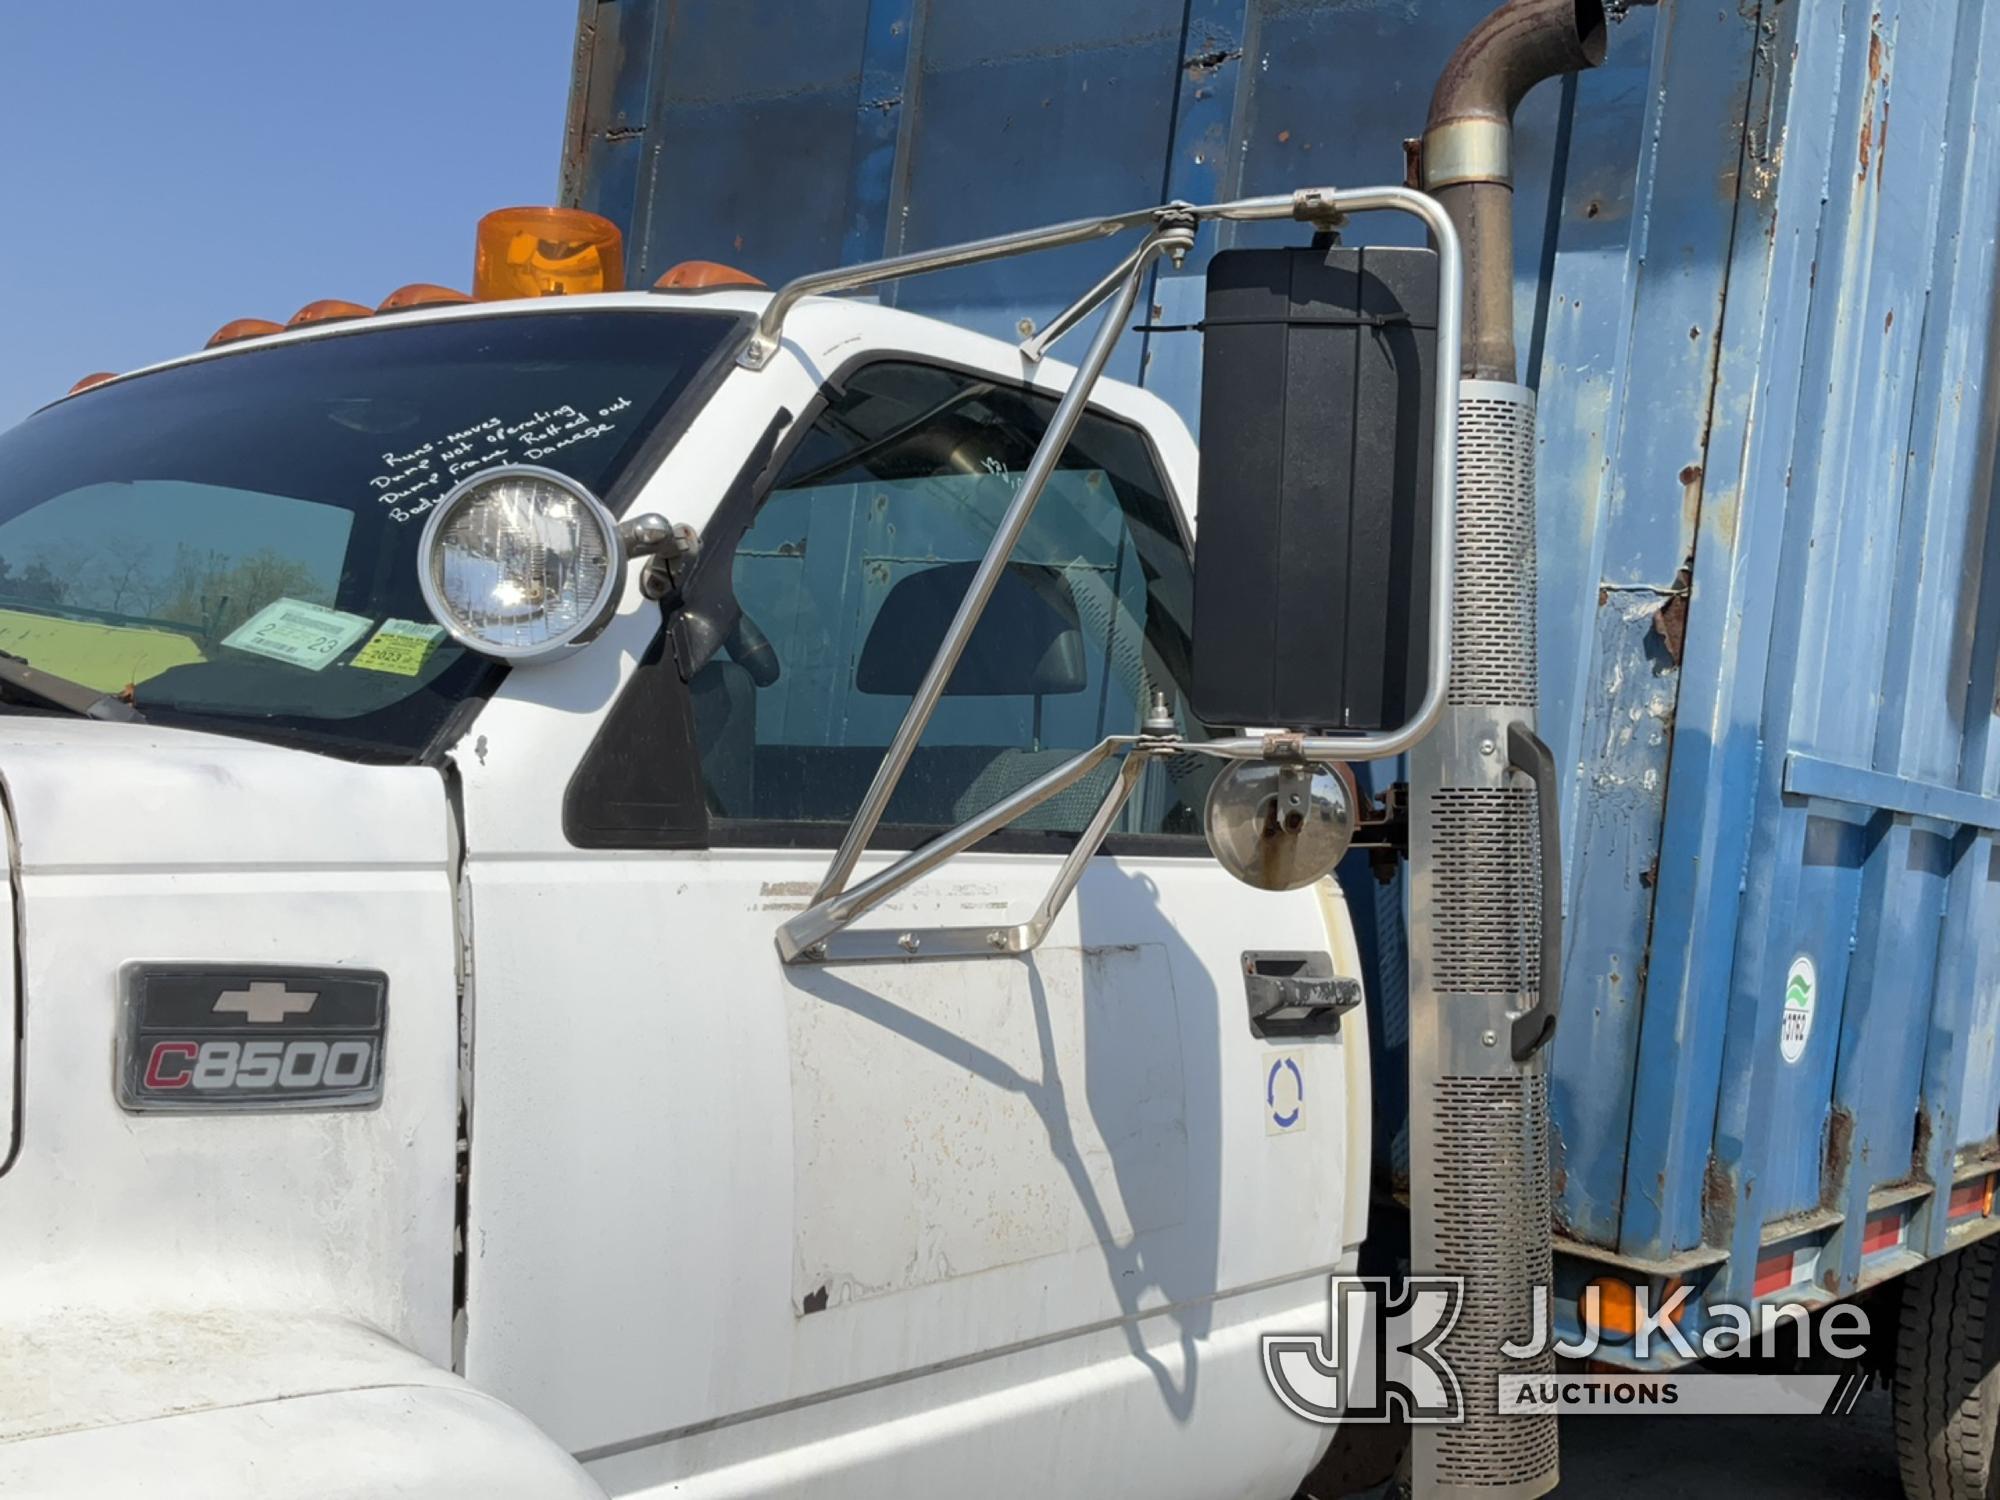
{"points": [[1948, 1376]]}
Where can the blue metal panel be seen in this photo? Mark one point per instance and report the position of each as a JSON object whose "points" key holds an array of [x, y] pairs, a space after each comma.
{"points": [[750, 136], [610, 109], [1872, 1124], [1756, 263], [1203, 166], [1583, 365], [876, 189], [1907, 961], [1033, 112], [1705, 848], [1645, 493], [1875, 257]]}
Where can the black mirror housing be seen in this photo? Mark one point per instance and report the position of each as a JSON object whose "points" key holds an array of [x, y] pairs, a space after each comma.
{"points": [[1312, 553]]}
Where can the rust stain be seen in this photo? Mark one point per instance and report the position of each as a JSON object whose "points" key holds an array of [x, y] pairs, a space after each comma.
{"points": [[1871, 145], [1670, 621], [1718, 511], [1691, 495], [1718, 1202], [1839, 1149], [1890, 321]]}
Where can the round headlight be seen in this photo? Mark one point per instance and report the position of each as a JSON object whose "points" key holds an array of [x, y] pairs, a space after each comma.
{"points": [[517, 562]]}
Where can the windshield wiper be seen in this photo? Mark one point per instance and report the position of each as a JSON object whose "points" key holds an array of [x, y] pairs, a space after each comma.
{"points": [[59, 692]]}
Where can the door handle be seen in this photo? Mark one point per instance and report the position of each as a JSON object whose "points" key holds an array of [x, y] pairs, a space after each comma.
{"points": [[1529, 754], [1296, 994]]}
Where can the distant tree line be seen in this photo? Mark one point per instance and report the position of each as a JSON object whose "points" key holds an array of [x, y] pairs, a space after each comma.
{"points": [[207, 592]]}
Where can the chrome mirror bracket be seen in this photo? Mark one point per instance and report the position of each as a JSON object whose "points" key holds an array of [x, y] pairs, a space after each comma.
{"points": [[822, 935], [818, 935], [653, 535]]}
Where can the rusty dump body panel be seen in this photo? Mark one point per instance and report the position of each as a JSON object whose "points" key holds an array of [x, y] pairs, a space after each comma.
{"points": [[1755, 258]]}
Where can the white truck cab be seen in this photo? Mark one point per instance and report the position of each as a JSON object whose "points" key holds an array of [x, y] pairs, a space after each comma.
{"points": [[407, 1092]]}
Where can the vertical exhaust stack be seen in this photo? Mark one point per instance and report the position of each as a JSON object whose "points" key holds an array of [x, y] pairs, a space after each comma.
{"points": [[1468, 151], [1485, 928]]}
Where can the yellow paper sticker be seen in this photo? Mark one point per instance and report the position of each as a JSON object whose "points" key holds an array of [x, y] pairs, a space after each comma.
{"points": [[400, 646]]}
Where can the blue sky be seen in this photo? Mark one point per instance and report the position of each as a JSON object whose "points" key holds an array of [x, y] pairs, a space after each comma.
{"points": [[167, 165]]}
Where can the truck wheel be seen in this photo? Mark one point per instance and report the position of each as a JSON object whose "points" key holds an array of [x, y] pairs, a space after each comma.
{"points": [[1948, 1376]]}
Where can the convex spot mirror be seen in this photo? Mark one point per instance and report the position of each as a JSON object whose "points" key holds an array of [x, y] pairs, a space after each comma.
{"points": [[1279, 825], [520, 562], [1312, 567]]}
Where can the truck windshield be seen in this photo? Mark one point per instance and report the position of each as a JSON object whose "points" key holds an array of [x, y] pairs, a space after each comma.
{"points": [[231, 544]]}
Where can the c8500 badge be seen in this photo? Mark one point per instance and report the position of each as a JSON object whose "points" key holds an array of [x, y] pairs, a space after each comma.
{"points": [[240, 1037]]}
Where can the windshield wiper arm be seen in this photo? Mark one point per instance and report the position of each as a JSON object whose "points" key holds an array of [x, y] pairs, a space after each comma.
{"points": [[59, 692]]}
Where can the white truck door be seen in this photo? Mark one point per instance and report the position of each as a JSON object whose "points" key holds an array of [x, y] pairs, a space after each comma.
{"points": [[923, 1225]]}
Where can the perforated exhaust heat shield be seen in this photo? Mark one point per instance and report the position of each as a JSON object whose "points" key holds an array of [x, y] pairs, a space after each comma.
{"points": [[1478, 1116]]}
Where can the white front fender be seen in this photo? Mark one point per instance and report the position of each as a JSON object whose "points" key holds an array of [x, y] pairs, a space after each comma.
{"points": [[231, 1406]]}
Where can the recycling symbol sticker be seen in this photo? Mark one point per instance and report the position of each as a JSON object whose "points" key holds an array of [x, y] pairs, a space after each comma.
{"points": [[1284, 1095]]}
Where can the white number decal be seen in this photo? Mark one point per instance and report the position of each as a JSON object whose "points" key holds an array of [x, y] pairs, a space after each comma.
{"points": [[346, 1064], [217, 1067], [313, 1055], [259, 1068], [302, 1063]]}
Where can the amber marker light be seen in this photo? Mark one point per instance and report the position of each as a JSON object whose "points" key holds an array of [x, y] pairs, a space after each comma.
{"points": [[701, 275], [421, 294], [242, 328], [328, 310]]}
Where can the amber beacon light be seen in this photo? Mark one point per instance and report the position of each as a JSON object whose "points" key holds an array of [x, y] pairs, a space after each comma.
{"points": [[546, 252]]}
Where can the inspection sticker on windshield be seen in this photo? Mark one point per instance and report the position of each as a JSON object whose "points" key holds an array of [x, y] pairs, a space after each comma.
{"points": [[400, 646], [306, 635]]}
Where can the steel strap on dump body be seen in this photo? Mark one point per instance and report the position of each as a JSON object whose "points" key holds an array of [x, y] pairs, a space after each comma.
{"points": [[818, 934]]}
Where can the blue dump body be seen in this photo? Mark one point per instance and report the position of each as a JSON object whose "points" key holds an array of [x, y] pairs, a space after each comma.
{"points": [[1756, 294]]}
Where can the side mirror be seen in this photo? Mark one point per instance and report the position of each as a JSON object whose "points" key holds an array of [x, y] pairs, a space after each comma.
{"points": [[1312, 560]]}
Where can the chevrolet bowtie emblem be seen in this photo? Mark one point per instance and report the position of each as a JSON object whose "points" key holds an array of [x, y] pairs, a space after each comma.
{"points": [[265, 1001]]}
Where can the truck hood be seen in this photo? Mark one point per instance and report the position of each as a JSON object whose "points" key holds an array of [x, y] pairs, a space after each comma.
{"points": [[85, 795], [131, 844]]}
